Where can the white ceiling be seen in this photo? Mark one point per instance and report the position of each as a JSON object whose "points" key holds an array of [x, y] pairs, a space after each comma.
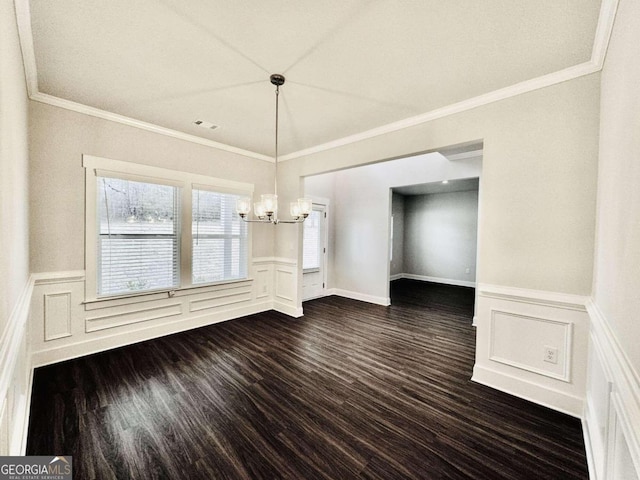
{"points": [[351, 66]]}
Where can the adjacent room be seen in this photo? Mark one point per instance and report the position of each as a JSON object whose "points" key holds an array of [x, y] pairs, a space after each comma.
{"points": [[320, 239]]}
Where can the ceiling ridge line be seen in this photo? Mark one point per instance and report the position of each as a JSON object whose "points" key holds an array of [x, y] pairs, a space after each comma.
{"points": [[604, 30]]}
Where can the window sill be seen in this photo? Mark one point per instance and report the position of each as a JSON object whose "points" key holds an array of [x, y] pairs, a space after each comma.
{"points": [[116, 300]]}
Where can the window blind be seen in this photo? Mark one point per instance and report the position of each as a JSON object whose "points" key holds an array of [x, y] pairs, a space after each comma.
{"points": [[311, 241], [138, 236], [219, 238]]}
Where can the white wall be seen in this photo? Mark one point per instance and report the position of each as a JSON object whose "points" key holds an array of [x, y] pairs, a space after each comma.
{"points": [[63, 325], [613, 396], [14, 187], [441, 235], [537, 200], [361, 207], [14, 236], [536, 228], [58, 140], [397, 211]]}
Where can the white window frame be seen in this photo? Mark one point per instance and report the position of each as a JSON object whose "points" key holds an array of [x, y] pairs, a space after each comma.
{"points": [[105, 167]]}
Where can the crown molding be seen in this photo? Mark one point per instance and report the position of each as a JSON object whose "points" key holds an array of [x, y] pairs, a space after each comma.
{"points": [[150, 127], [560, 76], [607, 17], [25, 35], [604, 29]]}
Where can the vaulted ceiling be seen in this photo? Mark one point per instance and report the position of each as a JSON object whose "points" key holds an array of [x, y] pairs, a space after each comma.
{"points": [[351, 66]]}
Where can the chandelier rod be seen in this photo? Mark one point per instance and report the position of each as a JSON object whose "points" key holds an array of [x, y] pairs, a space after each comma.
{"points": [[276, 156]]}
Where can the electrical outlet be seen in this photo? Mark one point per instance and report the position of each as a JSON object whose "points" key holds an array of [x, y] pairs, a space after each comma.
{"points": [[550, 354], [467, 271]]}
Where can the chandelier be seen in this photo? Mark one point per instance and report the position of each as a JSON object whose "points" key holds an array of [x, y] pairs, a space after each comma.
{"points": [[266, 210]]}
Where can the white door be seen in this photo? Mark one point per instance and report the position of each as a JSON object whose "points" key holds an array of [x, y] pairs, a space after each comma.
{"points": [[314, 253]]}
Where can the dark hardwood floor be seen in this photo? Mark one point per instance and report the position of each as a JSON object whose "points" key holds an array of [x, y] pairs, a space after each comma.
{"points": [[349, 391]]}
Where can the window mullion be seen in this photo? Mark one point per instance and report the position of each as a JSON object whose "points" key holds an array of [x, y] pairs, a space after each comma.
{"points": [[186, 237]]}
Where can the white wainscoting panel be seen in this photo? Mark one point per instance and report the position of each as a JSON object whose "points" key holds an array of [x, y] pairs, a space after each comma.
{"points": [[611, 422], [286, 287], [63, 326], [15, 377], [507, 326], [120, 316], [57, 314], [515, 327]]}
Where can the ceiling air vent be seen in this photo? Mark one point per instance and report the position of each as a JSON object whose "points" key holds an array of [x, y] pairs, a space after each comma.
{"points": [[203, 124]]}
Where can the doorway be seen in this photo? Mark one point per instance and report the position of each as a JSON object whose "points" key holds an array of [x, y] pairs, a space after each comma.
{"points": [[314, 253]]}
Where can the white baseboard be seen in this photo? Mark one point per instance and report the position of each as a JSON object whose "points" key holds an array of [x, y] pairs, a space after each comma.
{"points": [[292, 311], [426, 278], [532, 392], [384, 301], [67, 352]]}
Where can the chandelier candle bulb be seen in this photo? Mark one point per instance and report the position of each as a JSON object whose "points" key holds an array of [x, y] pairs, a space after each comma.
{"points": [[295, 210], [270, 202], [259, 210], [243, 206], [306, 205]]}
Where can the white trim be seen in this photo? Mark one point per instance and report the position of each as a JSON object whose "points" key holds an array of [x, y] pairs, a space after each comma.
{"points": [[519, 387], [625, 390], [527, 86], [94, 165], [567, 350], [27, 410], [363, 297], [292, 262], [11, 342], [464, 155], [290, 310], [47, 278], [151, 173], [446, 281], [534, 297], [586, 435], [25, 34], [396, 276], [150, 127], [12, 337], [120, 339], [606, 19]]}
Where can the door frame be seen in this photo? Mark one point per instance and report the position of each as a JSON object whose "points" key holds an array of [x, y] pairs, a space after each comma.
{"points": [[324, 202]]}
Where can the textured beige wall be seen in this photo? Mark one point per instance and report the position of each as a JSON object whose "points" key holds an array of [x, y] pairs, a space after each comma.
{"points": [[537, 193], [617, 265], [59, 137], [14, 233]]}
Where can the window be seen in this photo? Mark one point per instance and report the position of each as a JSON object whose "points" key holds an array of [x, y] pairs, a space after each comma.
{"points": [[311, 241], [152, 229], [138, 242], [219, 238]]}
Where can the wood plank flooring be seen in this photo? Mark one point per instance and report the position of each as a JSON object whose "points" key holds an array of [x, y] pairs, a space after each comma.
{"points": [[349, 391]]}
